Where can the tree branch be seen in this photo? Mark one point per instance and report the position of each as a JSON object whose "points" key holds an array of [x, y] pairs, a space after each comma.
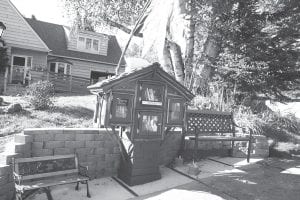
{"points": [[121, 27]]}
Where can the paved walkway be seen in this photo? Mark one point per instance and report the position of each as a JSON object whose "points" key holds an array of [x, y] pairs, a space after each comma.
{"points": [[267, 179]]}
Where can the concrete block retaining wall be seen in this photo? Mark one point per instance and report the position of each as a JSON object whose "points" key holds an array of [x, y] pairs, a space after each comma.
{"points": [[94, 148], [170, 147], [7, 185]]}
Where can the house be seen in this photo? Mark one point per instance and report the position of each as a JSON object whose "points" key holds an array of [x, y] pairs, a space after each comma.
{"points": [[38, 48]]}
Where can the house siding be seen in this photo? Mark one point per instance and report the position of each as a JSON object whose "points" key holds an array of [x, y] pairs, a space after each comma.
{"points": [[83, 69], [39, 59], [18, 33]]}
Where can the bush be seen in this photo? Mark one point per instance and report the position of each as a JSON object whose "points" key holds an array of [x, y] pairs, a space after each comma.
{"points": [[40, 94], [14, 108]]}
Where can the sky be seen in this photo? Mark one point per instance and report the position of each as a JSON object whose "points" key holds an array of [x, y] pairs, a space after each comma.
{"points": [[45, 10], [53, 11]]}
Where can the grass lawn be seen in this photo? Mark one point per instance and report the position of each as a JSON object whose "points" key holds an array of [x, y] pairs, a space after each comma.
{"points": [[68, 111]]}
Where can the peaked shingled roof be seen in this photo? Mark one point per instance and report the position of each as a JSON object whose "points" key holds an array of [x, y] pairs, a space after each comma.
{"points": [[55, 38], [106, 84]]}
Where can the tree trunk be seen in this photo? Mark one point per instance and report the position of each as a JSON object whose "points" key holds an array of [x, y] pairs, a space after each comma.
{"points": [[188, 64], [177, 61], [166, 60], [211, 52]]}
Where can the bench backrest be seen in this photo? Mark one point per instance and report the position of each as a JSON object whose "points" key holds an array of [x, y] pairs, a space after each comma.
{"points": [[208, 122], [41, 167]]}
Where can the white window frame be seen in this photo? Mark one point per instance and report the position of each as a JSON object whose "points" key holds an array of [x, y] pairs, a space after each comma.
{"points": [[65, 67], [82, 46], [25, 67]]}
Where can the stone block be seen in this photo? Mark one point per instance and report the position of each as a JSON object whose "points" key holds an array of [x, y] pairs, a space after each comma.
{"points": [[109, 157], [22, 148], [64, 137], [94, 144], [92, 158], [81, 158], [41, 131], [42, 152], [99, 151], [100, 173], [100, 164], [74, 144], [5, 169], [37, 145], [63, 151], [7, 188], [8, 195], [85, 151], [116, 150], [84, 137], [43, 137], [7, 158], [109, 150], [4, 179], [91, 165], [54, 144], [100, 137], [109, 172], [21, 138]]}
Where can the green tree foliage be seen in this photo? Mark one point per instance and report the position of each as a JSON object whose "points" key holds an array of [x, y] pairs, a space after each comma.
{"points": [[260, 53], [88, 14]]}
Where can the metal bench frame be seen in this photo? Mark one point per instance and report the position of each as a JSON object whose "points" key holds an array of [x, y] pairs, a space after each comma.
{"points": [[206, 125], [79, 174]]}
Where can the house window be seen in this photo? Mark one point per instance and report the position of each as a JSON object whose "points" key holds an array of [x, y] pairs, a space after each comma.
{"points": [[53, 67], [81, 43], [19, 61], [95, 45], [88, 44], [60, 68]]}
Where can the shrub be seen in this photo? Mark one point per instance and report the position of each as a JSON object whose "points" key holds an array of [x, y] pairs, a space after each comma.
{"points": [[40, 94], [14, 108]]}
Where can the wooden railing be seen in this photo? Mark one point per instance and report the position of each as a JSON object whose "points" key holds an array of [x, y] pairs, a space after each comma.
{"points": [[68, 83]]}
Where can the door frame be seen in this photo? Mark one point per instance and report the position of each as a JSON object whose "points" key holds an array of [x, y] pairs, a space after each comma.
{"points": [[25, 67]]}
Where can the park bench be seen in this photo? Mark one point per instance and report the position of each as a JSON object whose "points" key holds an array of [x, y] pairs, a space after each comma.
{"points": [[206, 125], [40, 173]]}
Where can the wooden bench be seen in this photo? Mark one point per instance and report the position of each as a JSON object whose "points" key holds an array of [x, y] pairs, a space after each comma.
{"points": [[40, 173], [205, 125]]}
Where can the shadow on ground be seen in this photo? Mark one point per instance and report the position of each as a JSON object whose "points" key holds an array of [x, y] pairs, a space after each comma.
{"points": [[74, 111]]}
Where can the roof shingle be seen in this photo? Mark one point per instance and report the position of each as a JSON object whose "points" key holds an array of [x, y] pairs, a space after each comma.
{"points": [[55, 38]]}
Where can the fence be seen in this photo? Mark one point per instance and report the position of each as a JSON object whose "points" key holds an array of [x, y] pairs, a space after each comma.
{"points": [[68, 83]]}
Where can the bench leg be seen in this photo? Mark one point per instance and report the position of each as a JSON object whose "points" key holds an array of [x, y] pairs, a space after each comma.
{"points": [[87, 190], [48, 193], [77, 186], [18, 196], [232, 148], [249, 151]]}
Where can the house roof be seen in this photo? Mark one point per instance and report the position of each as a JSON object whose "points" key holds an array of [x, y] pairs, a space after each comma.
{"points": [[54, 36], [106, 84]]}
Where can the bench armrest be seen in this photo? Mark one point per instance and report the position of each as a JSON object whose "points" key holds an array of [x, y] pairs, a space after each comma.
{"points": [[83, 171], [18, 178]]}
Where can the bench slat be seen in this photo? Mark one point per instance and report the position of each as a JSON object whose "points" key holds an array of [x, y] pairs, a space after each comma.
{"points": [[32, 159], [50, 182], [44, 175], [218, 138]]}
